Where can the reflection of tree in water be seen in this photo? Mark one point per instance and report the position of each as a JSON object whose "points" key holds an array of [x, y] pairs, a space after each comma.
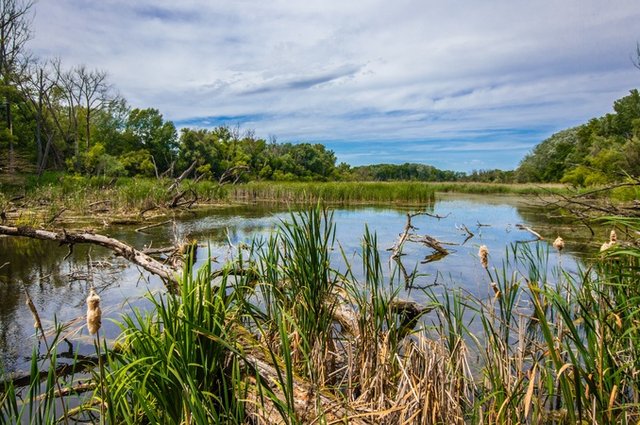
{"points": [[57, 286], [551, 222]]}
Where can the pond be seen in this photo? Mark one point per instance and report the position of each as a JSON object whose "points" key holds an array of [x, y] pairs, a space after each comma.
{"points": [[59, 280]]}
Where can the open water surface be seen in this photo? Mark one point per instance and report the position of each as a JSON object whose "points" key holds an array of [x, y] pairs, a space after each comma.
{"points": [[58, 281]]}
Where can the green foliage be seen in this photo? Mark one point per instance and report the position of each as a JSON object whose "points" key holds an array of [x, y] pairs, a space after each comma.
{"points": [[137, 163], [407, 171], [280, 335], [602, 151], [550, 159]]}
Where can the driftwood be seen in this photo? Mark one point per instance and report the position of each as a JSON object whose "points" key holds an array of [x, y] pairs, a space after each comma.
{"points": [[432, 243], [310, 404], [407, 235], [150, 226], [81, 364], [166, 273], [469, 233], [530, 230]]}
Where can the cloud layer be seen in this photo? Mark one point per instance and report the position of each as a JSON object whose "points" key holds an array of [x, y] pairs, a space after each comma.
{"points": [[457, 84]]}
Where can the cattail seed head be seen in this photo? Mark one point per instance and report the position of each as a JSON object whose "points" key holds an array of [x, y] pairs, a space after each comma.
{"points": [[483, 253], [94, 314], [613, 237], [558, 243], [496, 290], [36, 317]]}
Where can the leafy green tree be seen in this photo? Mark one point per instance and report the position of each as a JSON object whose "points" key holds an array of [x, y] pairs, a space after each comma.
{"points": [[146, 129]]}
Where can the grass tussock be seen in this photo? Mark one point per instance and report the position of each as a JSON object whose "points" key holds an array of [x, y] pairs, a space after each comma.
{"points": [[290, 339]]}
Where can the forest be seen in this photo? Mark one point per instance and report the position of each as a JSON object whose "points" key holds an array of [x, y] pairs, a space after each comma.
{"points": [[71, 119]]}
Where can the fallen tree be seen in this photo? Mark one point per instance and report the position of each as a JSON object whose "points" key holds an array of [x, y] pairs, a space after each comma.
{"points": [[167, 273]]}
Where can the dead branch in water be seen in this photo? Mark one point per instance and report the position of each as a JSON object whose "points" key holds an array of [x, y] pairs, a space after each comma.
{"points": [[530, 230], [151, 226], [166, 273], [469, 233], [407, 234]]}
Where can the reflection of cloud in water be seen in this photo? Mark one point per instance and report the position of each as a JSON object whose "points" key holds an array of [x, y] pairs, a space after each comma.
{"points": [[39, 265]]}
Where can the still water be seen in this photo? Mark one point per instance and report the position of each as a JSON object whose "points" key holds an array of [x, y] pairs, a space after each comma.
{"points": [[58, 280]]}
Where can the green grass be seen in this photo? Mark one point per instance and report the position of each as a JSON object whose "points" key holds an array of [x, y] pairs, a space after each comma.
{"points": [[499, 188], [293, 340], [334, 192]]}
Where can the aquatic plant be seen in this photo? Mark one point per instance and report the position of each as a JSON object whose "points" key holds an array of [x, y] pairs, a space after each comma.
{"points": [[281, 336]]}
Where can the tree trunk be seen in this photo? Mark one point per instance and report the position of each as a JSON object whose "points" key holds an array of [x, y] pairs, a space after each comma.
{"points": [[12, 160], [39, 123]]}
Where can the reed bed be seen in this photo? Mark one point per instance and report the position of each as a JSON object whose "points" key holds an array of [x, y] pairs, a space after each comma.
{"points": [[281, 336], [334, 192]]}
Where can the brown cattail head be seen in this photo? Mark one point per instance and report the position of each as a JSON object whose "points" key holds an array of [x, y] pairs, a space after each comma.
{"points": [[483, 253], [496, 290], [94, 314], [613, 238], [558, 243], [36, 317]]}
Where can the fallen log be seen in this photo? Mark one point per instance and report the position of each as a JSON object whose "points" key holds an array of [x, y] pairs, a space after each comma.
{"points": [[167, 273]]}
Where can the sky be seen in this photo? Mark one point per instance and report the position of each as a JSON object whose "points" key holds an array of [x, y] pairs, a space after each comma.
{"points": [[458, 84]]}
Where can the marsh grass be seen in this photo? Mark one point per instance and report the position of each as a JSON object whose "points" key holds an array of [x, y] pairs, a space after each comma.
{"points": [[284, 337], [334, 192]]}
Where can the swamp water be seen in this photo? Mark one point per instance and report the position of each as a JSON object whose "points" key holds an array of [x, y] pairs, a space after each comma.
{"points": [[58, 280]]}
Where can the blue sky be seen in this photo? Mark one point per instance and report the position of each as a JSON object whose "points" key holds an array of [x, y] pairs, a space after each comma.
{"points": [[458, 84]]}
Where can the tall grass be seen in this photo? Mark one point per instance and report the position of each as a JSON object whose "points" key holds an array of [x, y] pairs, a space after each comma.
{"points": [[283, 337], [334, 192]]}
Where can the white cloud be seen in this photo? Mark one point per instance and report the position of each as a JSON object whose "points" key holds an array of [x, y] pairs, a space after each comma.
{"points": [[354, 71]]}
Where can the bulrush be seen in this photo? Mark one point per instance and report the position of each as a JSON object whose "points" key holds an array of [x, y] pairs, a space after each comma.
{"points": [[558, 243], [483, 253], [496, 290], [613, 239], [94, 314], [36, 317]]}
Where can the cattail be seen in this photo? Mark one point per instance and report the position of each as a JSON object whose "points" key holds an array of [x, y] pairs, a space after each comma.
{"points": [[558, 243], [94, 314], [613, 238], [496, 290], [483, 253], [36, 317]]}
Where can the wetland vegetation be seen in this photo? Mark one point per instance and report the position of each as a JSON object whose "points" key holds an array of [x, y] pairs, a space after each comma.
{"points": [[258, 309], [297, 330]]}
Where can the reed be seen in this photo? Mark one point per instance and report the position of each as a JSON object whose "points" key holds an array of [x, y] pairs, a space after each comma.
{"points": [[334, 192], [282, 336]]}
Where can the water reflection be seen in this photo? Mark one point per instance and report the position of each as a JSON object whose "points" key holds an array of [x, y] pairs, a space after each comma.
{"points": [[58, 281]]}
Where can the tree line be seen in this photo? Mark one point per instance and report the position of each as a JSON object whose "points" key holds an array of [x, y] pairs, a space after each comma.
{"points": [[72, 119]]}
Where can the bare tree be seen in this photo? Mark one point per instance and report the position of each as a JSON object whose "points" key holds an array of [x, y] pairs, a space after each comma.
{"points": [[68, 97], [15, 31], [95, 94], [36, 86]]}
